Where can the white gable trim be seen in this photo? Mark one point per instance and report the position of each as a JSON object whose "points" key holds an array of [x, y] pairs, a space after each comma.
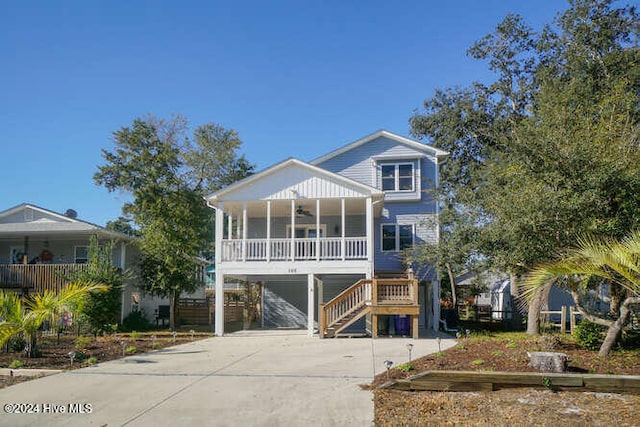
{"points": [[382, 133], [288, 163], [78, 222], [24, 206]]}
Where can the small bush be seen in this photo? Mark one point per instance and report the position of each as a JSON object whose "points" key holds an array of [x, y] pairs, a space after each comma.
{"points": [[497, 352], [16, 364], [134, 336], [131, 349], [511, 345], [406, 367], [461, 347], [80, 356], [589, 335], [136, 321], [82, 342], [478, 362], [92, 360]]}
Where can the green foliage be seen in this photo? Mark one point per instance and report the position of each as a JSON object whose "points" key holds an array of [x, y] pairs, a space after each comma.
{"points": [[92, 360], [461, 347], [546, 381], [497, 352], [80, 356], [167, 174], [549, 149], [136, 321], [511, 345], [131, 349], [82, 342], [23, 316], [102, 308], [477, 362], [589, 335], [134, 335], [16, 364], [406, 367]]}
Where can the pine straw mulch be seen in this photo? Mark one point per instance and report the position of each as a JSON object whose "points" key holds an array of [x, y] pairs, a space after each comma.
{"points": [[525, 406], [55, 352]]}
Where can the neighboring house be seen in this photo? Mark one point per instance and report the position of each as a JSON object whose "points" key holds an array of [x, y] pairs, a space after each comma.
{"points": [[39, 248], [333, 227]]}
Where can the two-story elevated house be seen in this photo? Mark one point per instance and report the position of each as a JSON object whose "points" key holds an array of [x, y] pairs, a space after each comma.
{"points": [[325, 238]]}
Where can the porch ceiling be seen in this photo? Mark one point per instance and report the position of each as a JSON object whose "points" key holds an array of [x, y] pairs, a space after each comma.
{"points": [[282, 208]]}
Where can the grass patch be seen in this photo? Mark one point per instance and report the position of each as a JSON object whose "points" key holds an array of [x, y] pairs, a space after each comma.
{"points": [[477, 362], [497, 352]]}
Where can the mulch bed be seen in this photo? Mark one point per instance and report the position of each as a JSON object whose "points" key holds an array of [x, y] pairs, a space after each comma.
{"points": [[508, 352], [55, 354]]}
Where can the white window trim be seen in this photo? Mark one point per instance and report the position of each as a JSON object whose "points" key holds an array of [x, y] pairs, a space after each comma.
{"points": [[397, 176], [307, 227], [75, 254], [397, 242]]}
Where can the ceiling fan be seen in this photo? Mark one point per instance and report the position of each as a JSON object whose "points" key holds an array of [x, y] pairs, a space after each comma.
{"points": [[302, 212]]}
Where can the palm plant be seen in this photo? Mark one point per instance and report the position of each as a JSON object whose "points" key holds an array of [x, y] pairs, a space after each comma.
{"points": [[592, 262], [23, 316]]}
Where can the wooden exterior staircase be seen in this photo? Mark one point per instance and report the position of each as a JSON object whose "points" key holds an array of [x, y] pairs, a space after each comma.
{"points": [[371, 298]]}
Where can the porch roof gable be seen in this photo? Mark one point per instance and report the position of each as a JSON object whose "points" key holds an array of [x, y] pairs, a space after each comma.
{"points": [[293, 179], [49, 222], [440, 154]]}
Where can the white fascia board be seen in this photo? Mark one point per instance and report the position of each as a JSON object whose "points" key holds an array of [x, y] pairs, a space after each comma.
{"points": [[381, 133], [215, 197]]}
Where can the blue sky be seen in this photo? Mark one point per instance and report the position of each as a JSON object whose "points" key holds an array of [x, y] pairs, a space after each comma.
{"points": [[294, 78]]}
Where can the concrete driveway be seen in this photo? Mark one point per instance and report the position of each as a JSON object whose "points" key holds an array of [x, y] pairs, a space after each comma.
{"points": [[261, 378]]}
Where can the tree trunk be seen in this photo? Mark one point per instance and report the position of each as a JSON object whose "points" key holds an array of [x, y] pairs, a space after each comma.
{"points": [[452, 283], [616, 295], [616, 327], [533, 316], [173, 305], [514, 288], [32, 346]]}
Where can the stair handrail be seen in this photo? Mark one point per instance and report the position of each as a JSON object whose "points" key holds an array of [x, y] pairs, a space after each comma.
{"points": [[346, 302]]}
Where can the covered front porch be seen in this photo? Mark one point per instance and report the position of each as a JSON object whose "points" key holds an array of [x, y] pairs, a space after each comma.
{"points": [[296, 230]]}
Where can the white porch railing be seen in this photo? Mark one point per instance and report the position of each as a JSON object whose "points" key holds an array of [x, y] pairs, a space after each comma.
{"points": [[307, 249]]}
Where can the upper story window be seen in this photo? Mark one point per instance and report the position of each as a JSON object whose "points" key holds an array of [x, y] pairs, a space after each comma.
{"points": [[397, 177], [396, 237]]}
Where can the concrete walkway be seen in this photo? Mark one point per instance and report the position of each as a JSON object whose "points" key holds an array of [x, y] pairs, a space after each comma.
{"points": [[251, 378]]}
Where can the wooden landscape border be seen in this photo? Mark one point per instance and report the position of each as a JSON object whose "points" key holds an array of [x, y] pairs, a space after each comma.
{"points": [[490, 381]]}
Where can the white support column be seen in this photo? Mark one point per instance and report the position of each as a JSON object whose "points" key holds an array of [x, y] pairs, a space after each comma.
{"points": [[317, 229], [219, 233], [343, 241], [219, 313], [229, 227], [123, 261], [244, 231], [369, 222], [310, 304], [293, 230], [268, 230]]}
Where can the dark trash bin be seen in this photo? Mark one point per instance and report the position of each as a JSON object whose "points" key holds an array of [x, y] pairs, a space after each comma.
{"points": [[402, 324]]}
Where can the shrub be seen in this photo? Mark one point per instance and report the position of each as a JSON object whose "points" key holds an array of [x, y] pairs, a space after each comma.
{"points": [[130, 349], [134, 336], [82, 342], [511, 345], [102, 308], [589, 335], [478, 362], [136, 321], [16, 364], [406, 367], [79, 356], [92, 360]]}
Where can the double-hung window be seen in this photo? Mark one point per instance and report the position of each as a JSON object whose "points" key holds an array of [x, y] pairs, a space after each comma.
{"points": [[396, 237], [81, 254], [397, 177]]}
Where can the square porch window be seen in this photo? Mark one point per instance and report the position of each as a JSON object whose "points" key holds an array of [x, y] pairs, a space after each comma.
{"points": [[81, 255]]}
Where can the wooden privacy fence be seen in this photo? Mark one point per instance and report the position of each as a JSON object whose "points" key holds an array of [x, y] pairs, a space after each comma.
{"points": [[35, 278], [201, 311]]}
